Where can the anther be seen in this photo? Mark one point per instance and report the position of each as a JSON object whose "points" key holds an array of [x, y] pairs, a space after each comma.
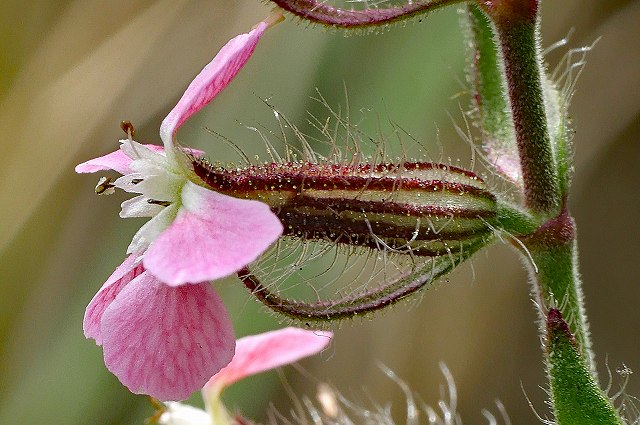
{"points": [[128, 128], [104, 186], [161, 203]]}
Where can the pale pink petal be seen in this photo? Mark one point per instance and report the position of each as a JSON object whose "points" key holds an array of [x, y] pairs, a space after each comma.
{"points": [[506, 161], [213, 78], [259, 353], [166, 342], [117, 161], [213, 236], [124, 274]]}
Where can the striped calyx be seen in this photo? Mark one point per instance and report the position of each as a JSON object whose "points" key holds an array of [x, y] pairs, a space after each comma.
{"points": [[421, 208]]}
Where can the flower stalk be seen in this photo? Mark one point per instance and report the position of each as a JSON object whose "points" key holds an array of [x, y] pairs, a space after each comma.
{"points": [[557, 281], [542, 147], [528, 144], [516, 24]]}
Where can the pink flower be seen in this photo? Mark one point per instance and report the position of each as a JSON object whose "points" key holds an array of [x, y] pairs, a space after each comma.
{"points": [[254, 354], [162, 326]]}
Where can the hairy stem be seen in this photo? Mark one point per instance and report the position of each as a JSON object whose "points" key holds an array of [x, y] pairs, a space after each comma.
{"points": [[576, 397], [516, 23], [486, 77], [557, 281]]}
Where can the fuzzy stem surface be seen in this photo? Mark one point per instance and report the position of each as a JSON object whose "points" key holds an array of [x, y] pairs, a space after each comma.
{"points": [[516, 23], [557, 282], [577, 399]]}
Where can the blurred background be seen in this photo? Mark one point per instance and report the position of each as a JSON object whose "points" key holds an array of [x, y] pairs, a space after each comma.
{"points": [[70, 71]]}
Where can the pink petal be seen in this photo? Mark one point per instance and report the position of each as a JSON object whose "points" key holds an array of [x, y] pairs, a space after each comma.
{"points": [[124, 274], [213, 236], [259, 353], [506, 161], [117, 161], [213, 78], [166, 342]]}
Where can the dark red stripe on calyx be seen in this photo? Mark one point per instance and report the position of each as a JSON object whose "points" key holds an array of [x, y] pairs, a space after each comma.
{"points": [[389, 207], [346, 204], [294, 177]]}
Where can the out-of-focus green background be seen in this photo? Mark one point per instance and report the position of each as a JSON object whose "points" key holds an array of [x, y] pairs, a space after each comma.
{"points": [[71, 70]]}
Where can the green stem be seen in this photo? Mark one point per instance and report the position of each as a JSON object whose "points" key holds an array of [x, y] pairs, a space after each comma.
{"points": [[487, 79], [556, 279], [552, 248], [576, 398], [516, 23]]}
